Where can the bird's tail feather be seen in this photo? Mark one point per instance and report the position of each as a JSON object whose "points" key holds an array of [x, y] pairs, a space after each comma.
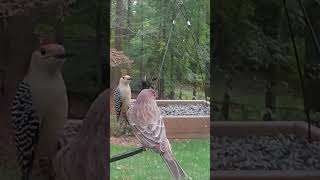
{"points": [[174, 167]]}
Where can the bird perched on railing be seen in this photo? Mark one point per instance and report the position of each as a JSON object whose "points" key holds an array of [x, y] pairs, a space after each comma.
{"points": [[148, 126], [40, 109], [122, 99], [122, 96]]}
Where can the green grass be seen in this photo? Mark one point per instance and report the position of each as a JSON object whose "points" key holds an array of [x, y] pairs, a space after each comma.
{"points": [[251, 95], [187, 92], [193, 155]]}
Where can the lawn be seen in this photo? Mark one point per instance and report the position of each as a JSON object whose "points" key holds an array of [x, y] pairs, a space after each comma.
{"points": [[193, 155], [186, 91], [251, 97]]}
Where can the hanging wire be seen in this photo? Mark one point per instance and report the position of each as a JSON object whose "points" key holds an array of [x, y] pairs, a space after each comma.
{"points": [[308, 22], [165, 53], [315, 40], [299, 67], [180, 4], [166, 48]]}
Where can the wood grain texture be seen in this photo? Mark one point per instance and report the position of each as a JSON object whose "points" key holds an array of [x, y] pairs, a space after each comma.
{"points": [[187, 127]]}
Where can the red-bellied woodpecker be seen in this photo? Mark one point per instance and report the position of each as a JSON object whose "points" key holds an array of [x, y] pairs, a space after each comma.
{"points": [[40, 108], [122, 96], [148, 126]]}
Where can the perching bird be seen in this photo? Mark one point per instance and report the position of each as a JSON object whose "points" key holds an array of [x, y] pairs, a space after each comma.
{"points": [[148, 126], [86, 156], [40, 108], [122, 96]]}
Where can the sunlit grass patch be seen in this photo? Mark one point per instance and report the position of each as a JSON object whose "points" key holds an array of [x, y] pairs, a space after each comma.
{"points": [[193, 155]]}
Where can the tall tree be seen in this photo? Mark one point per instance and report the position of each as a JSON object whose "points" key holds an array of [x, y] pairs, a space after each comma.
{"points": [[119, 25], [269, 17], [312, 58], [150, 26], [129, 17]]}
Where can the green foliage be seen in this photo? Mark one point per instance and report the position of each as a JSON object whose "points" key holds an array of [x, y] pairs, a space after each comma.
{"points": [[79, 20], [79, 31], [254, 35], [156, 18], [119, 128]]}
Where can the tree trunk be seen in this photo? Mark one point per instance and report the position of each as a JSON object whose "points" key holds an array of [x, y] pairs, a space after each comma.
{"points": [[270, 92], [269, 101], [312, 55], [142, 50], [225, 105], [194, 92], [226, 97], [173, 66], [173, 83], [129, 16], [312, 58], [119, 25], [164, 19]]}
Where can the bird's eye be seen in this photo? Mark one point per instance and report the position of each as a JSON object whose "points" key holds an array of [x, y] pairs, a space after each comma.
{"points": [[43, 51], [122, 77]]}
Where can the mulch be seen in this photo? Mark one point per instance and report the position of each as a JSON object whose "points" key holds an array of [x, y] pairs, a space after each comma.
{"points": [[125, 141]]}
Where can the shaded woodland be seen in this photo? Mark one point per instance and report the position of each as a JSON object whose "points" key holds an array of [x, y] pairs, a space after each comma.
{"points": [[142, 30], [255, 68]]}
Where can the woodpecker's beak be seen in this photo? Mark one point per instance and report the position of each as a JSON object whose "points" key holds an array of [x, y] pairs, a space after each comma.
{"points": [[65, 55], [129, 78]]}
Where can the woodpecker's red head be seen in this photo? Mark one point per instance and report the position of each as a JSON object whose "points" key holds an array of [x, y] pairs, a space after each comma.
{"points": [[49, 56], [126, 79]]}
